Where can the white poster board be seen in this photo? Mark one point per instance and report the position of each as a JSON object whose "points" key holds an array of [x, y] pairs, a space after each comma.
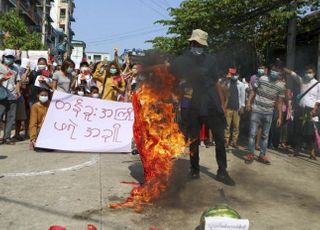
{"points": [[83, 124], [32, 56], [224, 223]]}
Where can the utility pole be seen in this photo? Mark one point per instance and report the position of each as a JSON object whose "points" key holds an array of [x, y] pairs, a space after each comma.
{"points": [[44, 21], [318, 67], [291, 38]]}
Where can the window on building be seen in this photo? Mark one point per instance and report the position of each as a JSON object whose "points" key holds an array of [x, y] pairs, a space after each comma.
{"points": [[63, 27], [62, 13], [97, 58], [89, 57]]}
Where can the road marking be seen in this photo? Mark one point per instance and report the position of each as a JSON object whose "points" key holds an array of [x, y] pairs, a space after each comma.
{"points": [[93, 161]]}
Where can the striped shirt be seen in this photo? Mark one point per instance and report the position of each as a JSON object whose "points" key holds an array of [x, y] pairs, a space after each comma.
{"points": [[267, 94]]}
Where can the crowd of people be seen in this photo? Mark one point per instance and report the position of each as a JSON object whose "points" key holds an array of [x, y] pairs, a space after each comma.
{"points": [[275, 108], [25, 93]]}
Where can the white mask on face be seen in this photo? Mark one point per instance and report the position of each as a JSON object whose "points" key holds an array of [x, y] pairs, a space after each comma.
{"points": [[42, 67], [80, 93], [310, 75], [95, 95], [43, 99]]}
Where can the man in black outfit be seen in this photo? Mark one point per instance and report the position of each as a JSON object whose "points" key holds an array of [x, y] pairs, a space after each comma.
{"points": [[199, 69]]}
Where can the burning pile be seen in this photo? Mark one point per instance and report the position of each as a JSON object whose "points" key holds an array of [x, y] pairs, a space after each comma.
{"points": [[157, 136]]}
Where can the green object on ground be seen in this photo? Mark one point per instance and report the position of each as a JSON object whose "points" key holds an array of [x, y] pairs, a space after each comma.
{"points": [[219, 211]]}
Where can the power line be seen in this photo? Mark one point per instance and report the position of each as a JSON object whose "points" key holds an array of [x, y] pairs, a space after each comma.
{"points": [[126, 33], [152, 8], [126, 36], [167, 3], [158, 4]]}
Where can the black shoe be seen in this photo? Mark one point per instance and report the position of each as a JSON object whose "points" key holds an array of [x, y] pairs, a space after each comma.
{"points": [[194, 175], [135, 152], [224, 177], [9, 142], [18, 138]]}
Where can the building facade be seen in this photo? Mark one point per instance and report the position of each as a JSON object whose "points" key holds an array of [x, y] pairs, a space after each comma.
{"points": [[36, 14], [62, 15], [94, 57], [78, 54]]}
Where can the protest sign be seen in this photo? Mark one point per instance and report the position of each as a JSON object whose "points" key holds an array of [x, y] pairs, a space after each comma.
{"points": [[32, 57], [224, 223], [84, 124]]}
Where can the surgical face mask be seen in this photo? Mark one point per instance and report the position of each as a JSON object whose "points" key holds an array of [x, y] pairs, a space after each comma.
{"points": [[43, 99], [274, 75], [235, 77], [308, 77], [95, 95], [69, 70], [197, 50], [260, 72], [80, 93], [113, 71], [42, 67], [8, 61]]}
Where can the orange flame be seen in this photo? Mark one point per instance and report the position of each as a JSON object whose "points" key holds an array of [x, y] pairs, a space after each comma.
{"points": [[157, 135]]}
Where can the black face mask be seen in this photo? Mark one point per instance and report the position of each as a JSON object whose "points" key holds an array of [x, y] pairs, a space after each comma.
{"points": [[197, 50]]}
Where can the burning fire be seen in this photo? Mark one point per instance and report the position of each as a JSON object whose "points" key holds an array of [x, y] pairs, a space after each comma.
{"points": [[157, 135]]}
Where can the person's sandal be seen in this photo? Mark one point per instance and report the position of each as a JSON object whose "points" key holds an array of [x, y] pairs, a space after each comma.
{"points": [[313, 156], [248, 159], [9, 142], [264, 160]]}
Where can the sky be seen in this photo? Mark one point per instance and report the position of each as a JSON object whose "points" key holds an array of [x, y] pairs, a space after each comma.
{"points": [[107, 24]]}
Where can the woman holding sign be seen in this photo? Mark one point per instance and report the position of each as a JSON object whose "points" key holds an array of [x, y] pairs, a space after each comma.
{"points": [[37, 116]]}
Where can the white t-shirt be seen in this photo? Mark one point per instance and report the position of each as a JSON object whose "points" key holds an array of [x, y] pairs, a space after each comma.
{"points": [[313, 96]]}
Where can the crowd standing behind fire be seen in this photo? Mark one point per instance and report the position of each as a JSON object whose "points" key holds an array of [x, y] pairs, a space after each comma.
{"points": [[280, 117]]}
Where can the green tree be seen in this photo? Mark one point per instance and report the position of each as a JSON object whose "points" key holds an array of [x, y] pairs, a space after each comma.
{"points": [[261, 24], [20, 37]]}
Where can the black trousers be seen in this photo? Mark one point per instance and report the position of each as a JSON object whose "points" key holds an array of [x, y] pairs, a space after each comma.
{"points": [[217, 123]]}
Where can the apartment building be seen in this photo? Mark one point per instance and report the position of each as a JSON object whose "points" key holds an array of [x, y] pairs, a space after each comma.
{"points": [[62, 15], [36, 14]]}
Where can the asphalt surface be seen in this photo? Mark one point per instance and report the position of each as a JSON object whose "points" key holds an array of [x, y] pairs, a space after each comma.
{"points": [[38, 190]]}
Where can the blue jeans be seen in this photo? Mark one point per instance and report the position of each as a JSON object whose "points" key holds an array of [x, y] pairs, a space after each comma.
{"points": [[259, 120]]}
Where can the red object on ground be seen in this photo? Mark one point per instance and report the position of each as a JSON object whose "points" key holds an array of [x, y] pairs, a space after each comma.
{"points": [[91, 227], [56, 227]]}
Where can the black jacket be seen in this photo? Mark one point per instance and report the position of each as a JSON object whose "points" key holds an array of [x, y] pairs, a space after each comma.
{"points": [[200, 71]]}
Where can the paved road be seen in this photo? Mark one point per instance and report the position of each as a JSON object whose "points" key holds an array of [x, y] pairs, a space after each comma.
{"points": [[72, 189]]}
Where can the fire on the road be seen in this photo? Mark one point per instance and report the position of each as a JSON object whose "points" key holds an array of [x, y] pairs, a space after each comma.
{"points": [[157, 135]]}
